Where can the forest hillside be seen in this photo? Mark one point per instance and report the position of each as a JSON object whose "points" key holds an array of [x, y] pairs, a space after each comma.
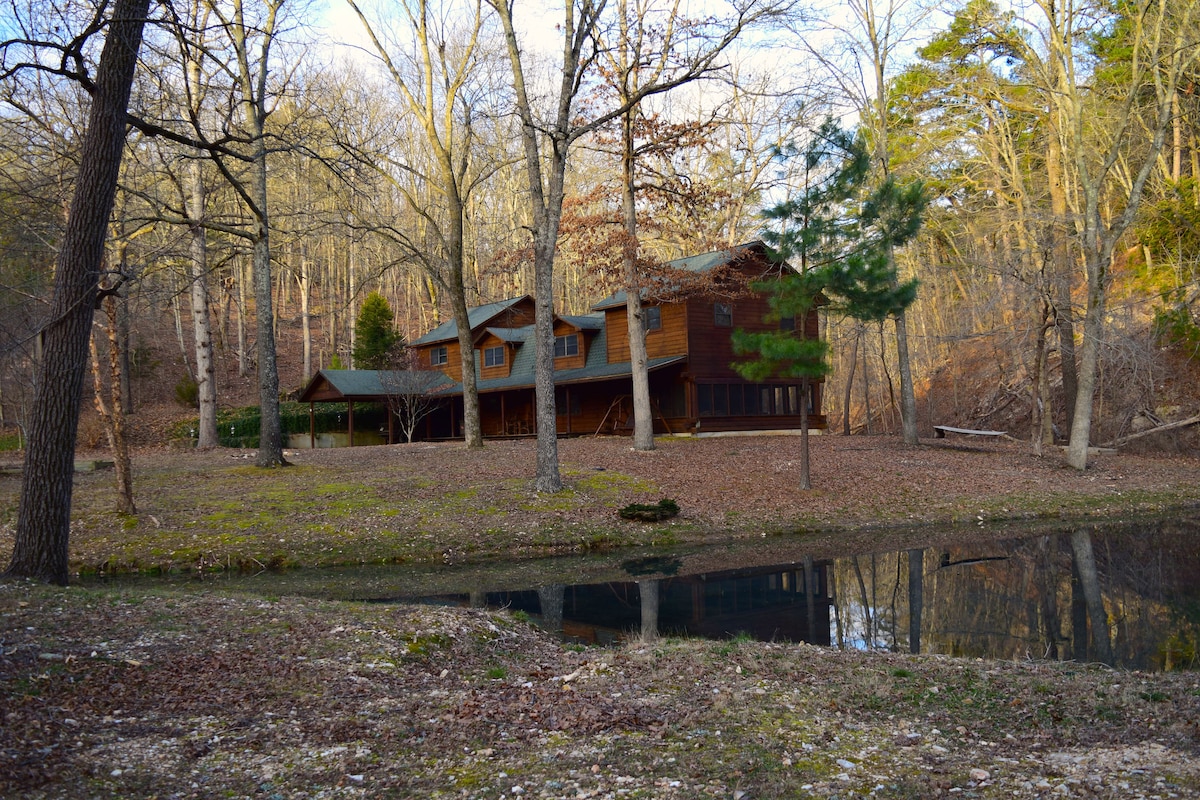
{"points": [[274, 178]]}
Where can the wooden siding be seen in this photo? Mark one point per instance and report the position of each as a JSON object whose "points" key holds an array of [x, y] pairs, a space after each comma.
{"points": [[489, 340], [564, 328], [324, 392], [452, 369], [710, 347], [521, 314], [669, 340]]}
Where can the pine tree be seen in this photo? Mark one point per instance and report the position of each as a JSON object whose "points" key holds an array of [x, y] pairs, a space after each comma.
{"points": [[838, 234], [375, 334]]}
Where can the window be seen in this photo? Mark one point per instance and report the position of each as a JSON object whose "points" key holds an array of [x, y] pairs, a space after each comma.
{"points": [[567, 403], [720, 401], [567, 345], [750, 399], [723, 315], [493, 356], [437, 356], [787, 323], [652, 317]]}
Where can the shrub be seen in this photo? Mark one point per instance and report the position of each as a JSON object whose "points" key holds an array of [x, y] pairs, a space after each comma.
{"points": [[187, 392], [663, 509]]}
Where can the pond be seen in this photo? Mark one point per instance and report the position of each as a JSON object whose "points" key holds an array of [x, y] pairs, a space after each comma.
{"points": [[1126, 594]]}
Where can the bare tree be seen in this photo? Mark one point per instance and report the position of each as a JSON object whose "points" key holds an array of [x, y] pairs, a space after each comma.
{"points": [[547, 143], [411, 391], [40, 548], [656, 49], [1162, 43], [436, 88]]}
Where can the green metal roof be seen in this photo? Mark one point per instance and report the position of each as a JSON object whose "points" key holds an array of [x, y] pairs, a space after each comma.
{"points": [[370, 384], [476, 316], [700, 264]]}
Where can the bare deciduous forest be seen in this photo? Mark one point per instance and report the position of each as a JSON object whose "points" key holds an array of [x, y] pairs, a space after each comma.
{"points": [[267, 167]]}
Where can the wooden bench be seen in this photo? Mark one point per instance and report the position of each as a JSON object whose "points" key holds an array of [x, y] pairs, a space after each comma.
{"points": [[940, 431]]}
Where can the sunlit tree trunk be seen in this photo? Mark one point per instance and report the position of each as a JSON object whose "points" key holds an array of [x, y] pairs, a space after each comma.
{"points": [[206, 385], [111, 412], [643, 420]]}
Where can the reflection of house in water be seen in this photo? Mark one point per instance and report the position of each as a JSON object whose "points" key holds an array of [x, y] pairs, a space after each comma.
{"points": [[771, 603]]}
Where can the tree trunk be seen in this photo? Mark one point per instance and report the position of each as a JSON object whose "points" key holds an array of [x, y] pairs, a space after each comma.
{"points": [[1089, 361], [908, 398], [306, 313], [206, 385], [242, 348], [472, 424], [548, 478], [643, 418], [850, 382], [111, 412], [805, 472], [40, 548], [270, 434]]}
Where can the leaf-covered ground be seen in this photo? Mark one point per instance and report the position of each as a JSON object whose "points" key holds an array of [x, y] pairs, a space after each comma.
{"points": [[442, 502], [200, 694], [144, 692]]}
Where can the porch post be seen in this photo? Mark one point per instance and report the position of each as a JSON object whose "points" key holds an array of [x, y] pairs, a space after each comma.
{"points": [[350, 413], [312, 427]]}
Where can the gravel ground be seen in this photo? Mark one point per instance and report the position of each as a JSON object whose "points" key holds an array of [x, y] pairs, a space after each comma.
{"points": [[119, 694], [145, 692]]}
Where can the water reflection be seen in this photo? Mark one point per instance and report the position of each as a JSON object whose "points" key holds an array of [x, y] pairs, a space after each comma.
{"points": [[785, 603], [1122, 594], [1127, 596]]}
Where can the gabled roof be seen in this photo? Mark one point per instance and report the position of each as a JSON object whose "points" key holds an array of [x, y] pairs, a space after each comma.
{"points": [[368, 384], [479, 315], [510, 335], [586, 322], [699, 264]]}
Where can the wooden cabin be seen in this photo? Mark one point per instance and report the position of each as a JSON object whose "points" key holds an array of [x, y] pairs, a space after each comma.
{"points": [[689, 327]]}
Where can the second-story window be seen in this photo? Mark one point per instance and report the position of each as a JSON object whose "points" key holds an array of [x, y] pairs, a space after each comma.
{"points": [[652, 317], [493, 356], [567, 345], [723, 315], [437, 356], [787, 323]]}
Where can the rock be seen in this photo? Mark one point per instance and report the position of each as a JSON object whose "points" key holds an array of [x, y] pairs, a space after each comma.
{"points": [[980, 774]]}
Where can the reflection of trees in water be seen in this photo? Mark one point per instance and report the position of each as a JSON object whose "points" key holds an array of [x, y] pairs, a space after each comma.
{"points": [[1119, 595]]}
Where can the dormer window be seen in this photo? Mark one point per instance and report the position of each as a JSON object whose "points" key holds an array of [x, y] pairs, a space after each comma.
{"points": [[438, 356], [652, 317], [493, 356], [567, 345]]}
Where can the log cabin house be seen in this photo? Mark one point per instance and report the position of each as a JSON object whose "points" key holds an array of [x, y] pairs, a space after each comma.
{"points": [[694, 389]]}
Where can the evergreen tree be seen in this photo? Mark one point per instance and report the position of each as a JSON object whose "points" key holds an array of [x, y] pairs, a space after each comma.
{"points": [[375, 334], [838, 233]]}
